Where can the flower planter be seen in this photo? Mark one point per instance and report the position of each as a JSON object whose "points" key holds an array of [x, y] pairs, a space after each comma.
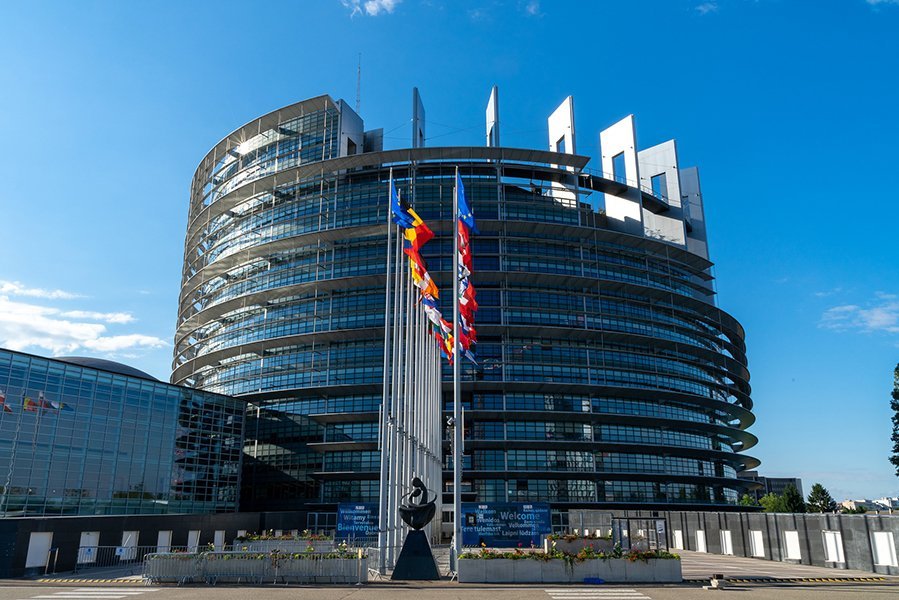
{"points": [[287, 546], [255, 567], [553, 571], [613, 570], [575, 546], [523, 571]]}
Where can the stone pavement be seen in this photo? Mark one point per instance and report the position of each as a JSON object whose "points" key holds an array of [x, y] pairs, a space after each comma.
{"points": [[699, 565]]}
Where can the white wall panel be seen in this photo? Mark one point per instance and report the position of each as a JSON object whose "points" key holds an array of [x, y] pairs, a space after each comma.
{"points": [[561, 128], [691, 197], [492, 118], [418, 120], [624, 211]]}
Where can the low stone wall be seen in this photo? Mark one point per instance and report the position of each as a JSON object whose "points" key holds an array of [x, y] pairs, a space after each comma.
{"points": [[612, 570]]}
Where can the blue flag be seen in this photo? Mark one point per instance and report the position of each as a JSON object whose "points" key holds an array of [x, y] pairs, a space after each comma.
{"points": [[400, 215], [465, 215]]}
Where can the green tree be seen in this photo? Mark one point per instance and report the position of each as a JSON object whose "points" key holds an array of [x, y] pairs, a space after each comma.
{"points": [[773, 503], [794, 502], [854, 511], [819, 500], [747, 500], [894, 404]]}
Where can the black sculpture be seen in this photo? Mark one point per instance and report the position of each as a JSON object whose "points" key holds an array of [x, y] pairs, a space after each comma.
{"points": [[416, 562], [418, 515]]}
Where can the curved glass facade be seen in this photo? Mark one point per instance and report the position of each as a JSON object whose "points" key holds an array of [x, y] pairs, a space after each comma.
{"points": [[606, 376], [84, 441]]}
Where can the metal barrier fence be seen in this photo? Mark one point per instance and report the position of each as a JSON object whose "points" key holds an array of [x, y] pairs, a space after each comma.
{"points": [[640, 534], [104, 557], [252, 567]]}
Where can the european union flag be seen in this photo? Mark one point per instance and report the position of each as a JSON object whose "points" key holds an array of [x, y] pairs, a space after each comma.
{"points": [[465, 214], [399, 214]]}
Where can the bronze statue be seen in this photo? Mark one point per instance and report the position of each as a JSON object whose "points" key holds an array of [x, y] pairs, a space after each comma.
{"points": [[418, 515]]}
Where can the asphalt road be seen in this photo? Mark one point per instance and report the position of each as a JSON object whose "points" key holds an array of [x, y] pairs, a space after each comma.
{"points": [[454, 591]]}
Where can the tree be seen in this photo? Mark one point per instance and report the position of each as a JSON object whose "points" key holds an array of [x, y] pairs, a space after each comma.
{"points": [[747, 500], [894, 404], [773, 503], [854, 511], [793, 500], [820, 500]]}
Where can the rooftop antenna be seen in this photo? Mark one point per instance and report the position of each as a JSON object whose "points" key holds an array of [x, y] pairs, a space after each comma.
{"points": [[358, 82]]}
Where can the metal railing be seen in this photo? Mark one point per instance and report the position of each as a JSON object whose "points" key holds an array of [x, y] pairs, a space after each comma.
{"points": [[628, 182], [127, 557], [640, 534]]}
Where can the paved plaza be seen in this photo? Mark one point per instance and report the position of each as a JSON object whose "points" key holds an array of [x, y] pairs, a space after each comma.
{"points": [[749, 579]]}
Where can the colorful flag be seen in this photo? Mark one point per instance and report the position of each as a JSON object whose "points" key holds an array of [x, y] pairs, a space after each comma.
{"points": [[422, 280], [29, 404], [6, 407], [464, 248], [470, 356], [418, 234], [60, 406], [465, 214], [420, 275], [467, 305], [43, 403], [400, 214]]}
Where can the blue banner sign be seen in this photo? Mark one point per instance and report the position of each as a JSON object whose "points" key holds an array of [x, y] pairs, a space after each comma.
{"points": [[504, 524], [355, 520]]}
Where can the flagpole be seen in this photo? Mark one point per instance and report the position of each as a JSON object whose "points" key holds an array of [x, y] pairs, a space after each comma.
{"points": [[457, 392], [395, 456], [383, 441], [4, 501]]}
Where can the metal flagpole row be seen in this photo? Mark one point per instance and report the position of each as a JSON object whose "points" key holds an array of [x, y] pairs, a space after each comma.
{"points": [[410, 437], [398, 447]]}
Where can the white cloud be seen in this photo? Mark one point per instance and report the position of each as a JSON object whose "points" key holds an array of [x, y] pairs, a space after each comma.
{"points": [[879, 314], [117, 343], [830, 292], [532, 8], [25, 326], [707, 7], [14, 288], [878, 2], [372, 8], [113, 317]]}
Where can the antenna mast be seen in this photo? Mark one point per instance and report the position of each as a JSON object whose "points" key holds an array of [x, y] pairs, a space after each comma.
{"points": [[358, 82]]}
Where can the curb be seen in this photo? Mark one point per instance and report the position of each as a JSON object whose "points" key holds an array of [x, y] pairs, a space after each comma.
{"points": [[794, 580], [116, 581]]}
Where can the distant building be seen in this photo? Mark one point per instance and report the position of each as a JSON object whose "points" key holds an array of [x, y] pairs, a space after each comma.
{"points": [[885, 504], [83, 436], [770, 485], [857, 504]]}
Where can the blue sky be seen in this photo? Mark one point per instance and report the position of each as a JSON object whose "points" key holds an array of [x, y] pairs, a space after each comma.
{"points": [[789, 108]]}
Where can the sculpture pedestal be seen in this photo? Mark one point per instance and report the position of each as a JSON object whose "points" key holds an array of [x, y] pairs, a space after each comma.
{"points": [[416, 563]]}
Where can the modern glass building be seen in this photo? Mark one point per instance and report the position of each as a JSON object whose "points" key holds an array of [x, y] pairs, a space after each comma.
{"points": [[607, 375], [83, 436]]}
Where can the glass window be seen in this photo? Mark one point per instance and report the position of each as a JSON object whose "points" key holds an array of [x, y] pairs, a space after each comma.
{"points": [[619, 171]]}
